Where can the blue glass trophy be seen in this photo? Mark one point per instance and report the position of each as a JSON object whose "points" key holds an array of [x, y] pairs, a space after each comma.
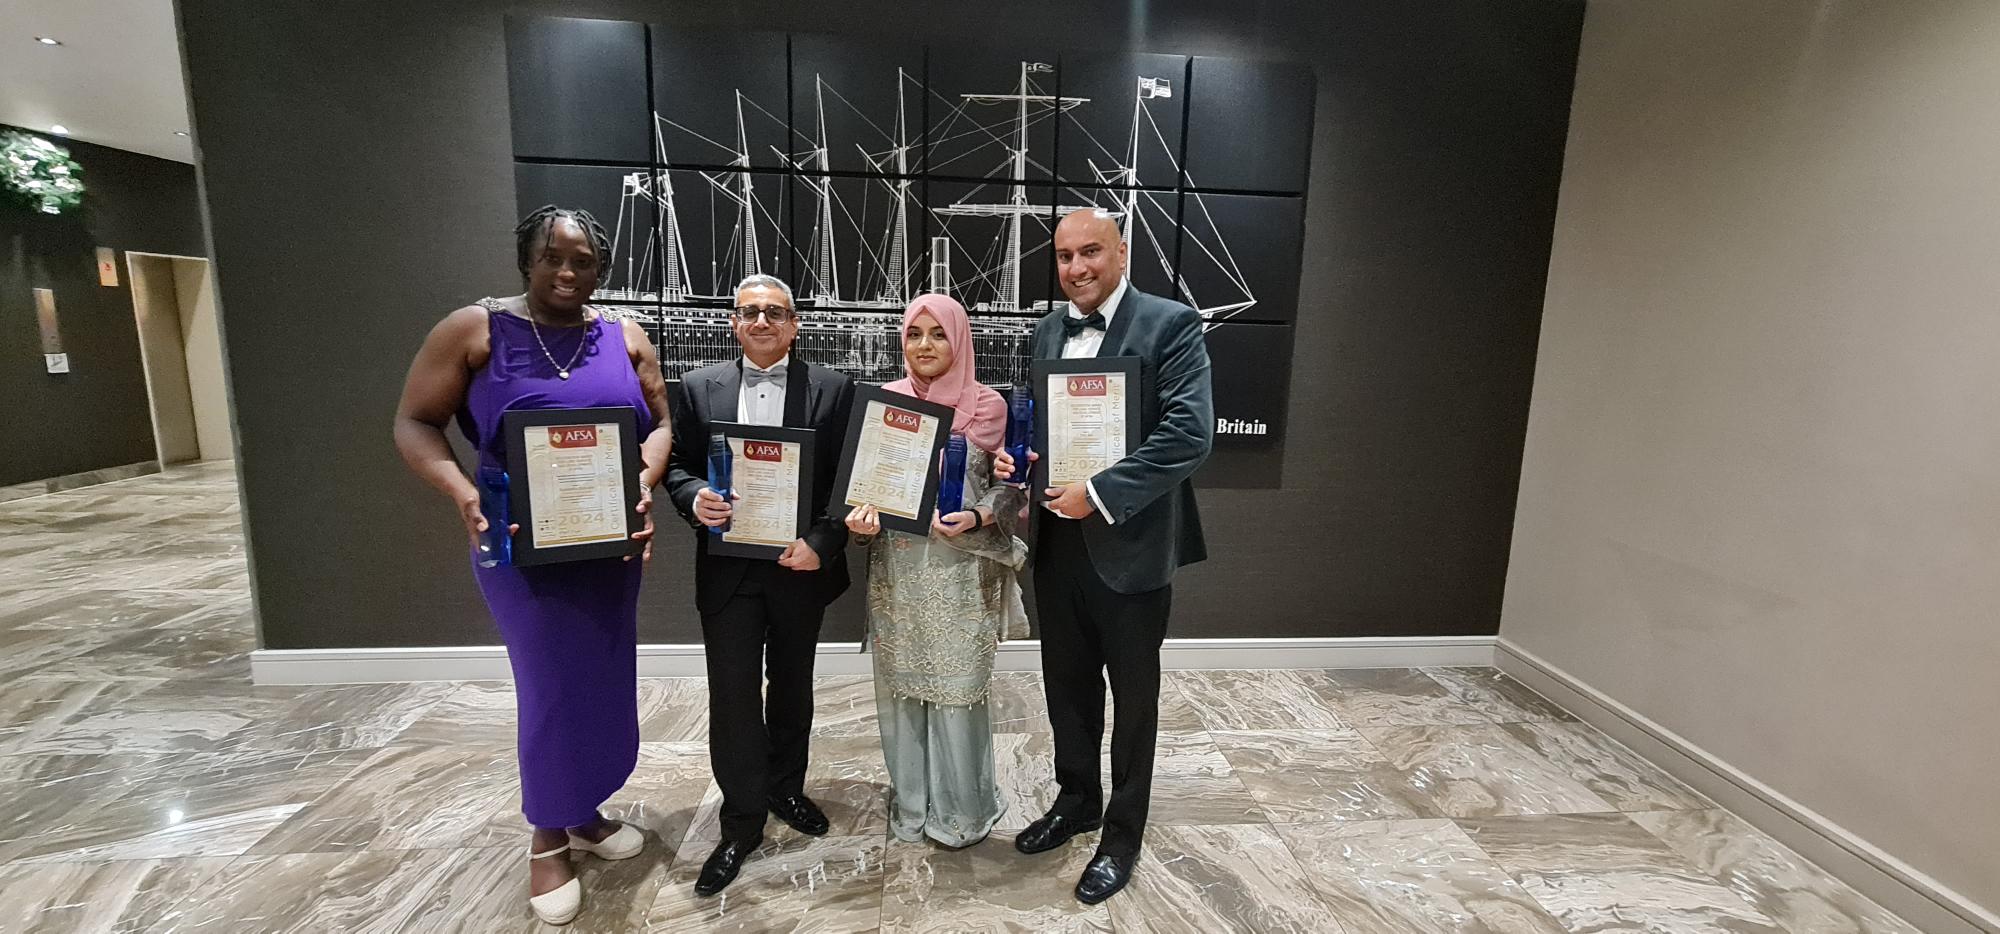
{"points": [[496, 547], [719, 468], [1020, 428], [951, 481]]}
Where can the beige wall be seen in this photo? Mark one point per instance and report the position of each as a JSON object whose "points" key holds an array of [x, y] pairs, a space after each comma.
{"points": [[163, 354], [1760, 502], [195, 292]]}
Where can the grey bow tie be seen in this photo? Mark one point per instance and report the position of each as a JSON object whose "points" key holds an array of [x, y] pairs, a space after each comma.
{"points": [[753, 376]]}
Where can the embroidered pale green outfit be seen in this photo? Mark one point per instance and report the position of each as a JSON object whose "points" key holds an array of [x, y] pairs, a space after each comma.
{"points": [[938, 607]]}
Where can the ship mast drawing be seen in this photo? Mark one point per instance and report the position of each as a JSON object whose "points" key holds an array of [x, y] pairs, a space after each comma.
{"points": [[883, 279], [853, 303], [1001, 266]]}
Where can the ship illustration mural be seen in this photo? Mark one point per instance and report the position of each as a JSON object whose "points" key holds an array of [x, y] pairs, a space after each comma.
{"points": [[867, 174]]}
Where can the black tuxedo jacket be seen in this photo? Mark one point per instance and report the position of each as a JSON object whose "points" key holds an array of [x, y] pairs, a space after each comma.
{"points": [[815, 398]]}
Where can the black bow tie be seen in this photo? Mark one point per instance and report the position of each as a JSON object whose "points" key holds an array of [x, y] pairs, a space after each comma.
{"points": [[1072, 326]]}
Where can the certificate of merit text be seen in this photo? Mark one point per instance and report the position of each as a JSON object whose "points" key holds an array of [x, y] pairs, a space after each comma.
{"points": [[576, 484]]}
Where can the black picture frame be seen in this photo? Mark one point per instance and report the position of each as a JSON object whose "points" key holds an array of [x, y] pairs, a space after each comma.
{"points": [[514, 425], [803, 437], [863, 395], [1039, 372]]}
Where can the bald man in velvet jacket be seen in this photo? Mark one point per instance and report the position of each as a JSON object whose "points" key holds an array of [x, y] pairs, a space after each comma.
{"points": [[1106, 550]]}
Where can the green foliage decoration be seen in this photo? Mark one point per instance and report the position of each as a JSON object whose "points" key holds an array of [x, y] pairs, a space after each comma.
{"points": [[40, 173]]}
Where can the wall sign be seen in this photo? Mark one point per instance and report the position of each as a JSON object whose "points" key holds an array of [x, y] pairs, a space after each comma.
{"points": [[107, 267], [45, 317]]}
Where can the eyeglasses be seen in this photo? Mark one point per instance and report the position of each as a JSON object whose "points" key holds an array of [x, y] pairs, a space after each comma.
{"points": [[776, 314]]}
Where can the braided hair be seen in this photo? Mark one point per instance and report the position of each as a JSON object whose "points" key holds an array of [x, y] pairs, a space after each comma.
{"points": [[542, 220]]}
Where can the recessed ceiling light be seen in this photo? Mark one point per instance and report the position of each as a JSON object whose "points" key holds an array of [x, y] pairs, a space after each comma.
{"points": [[180, 132], [59, 130], [45, 40]]}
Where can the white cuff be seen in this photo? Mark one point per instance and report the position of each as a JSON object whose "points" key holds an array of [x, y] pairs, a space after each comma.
{"points": [[1090, 486]]}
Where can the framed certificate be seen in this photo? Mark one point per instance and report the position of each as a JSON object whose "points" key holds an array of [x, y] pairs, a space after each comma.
{"points": [[1086, 417], [771, 474], [894, 443], [573, 483]]}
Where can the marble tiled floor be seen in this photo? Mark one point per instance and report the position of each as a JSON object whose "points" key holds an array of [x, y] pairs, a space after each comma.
{"points": [[148, 786]]}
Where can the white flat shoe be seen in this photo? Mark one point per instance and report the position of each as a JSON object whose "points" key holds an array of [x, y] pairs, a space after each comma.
{"points": [[561, 905], [626, 843]]}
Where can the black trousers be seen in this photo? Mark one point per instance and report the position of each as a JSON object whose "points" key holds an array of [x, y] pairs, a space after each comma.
{"points": [[1087, 630], [757, 739]]}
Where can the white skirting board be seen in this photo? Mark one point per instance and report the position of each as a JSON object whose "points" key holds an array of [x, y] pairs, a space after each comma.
{"points": [[1897, 886], [481, 662]]}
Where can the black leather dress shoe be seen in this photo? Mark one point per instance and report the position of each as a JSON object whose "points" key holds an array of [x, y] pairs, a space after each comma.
{"points": [[799, 811], [1104, 877], [723, 864], [1051, 831]]}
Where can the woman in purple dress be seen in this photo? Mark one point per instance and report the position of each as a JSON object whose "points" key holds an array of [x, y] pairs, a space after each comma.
{"points": [[570, 628]]}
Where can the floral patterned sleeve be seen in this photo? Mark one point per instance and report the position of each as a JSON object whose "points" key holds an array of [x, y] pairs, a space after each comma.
{"points": [[996, 541]]}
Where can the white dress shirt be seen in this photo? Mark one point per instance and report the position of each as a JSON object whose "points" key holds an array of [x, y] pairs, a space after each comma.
{"points": [[1086, 344], [764, 405]]}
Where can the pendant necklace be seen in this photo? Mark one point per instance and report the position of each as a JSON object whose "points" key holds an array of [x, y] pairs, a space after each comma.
{"points": [[561, 370]]}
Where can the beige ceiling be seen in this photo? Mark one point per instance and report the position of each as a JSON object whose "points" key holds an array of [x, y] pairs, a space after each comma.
{"points": [[115, 80]]}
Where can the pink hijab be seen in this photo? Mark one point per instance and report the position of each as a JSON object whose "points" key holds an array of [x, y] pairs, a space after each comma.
{"points": [[982, 414]]}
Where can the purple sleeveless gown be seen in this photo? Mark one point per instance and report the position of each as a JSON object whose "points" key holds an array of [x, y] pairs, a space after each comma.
{"points": [[571, 629]]}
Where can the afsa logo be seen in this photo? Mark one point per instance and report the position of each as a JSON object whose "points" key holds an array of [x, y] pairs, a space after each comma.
{"points": [[763, 450], [573, 436], [1087, 385], [899, 418]]}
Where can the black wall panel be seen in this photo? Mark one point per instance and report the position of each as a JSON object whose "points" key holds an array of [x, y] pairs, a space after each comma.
{"points": [[1249, 125], [578, 89]]}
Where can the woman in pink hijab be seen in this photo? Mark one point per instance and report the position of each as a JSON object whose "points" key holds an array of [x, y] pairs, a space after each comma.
{"points": [[939, 604]]}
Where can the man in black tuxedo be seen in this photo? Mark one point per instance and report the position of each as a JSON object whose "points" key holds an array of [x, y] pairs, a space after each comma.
{"points": [[1106, 550], [753, 608]]}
